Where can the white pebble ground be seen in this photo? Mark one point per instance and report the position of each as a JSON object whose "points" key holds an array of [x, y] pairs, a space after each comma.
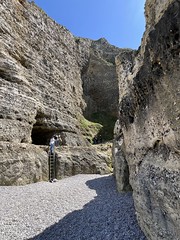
{"points": [[82, 207]]}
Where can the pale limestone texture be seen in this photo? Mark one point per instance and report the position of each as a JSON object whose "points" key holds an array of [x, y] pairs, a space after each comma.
{"points": [[77, 160], [40, 78], [22, 163], [42, 92], [147, 134], [41, 88]]}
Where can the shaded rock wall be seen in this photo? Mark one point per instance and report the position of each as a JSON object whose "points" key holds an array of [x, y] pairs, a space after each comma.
{"points": [[101, 85], [147, 133], [100, 82]]}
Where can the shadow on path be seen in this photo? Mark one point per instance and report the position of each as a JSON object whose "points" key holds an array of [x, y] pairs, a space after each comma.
{"points": [[109, 216]]}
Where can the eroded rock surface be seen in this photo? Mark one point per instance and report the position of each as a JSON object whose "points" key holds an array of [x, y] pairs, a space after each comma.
{"points": [[41, 90], [147, 134], [22, 163], [40, 78], [77, 160], [41, 68], [100, 82]]}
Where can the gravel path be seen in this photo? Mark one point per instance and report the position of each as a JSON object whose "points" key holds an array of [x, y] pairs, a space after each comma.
{"points": [[82, 207]]}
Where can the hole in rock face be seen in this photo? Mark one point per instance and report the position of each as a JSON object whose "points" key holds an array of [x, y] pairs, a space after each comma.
{"points": [[131, 119], [176, 37], [41, 136], [156, 144], [22, 2]]}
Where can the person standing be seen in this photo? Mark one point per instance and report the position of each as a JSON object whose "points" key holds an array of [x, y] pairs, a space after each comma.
{"points": [[52, 144]]}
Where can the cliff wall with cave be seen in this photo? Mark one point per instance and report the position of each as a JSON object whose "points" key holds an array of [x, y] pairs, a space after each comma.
{"points": [[41, 69], [146, 150]]}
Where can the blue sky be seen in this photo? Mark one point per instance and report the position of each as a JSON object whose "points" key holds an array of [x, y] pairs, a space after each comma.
{"points": [[121, 22]]}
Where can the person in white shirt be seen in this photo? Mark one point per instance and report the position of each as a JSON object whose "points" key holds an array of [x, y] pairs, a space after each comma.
{"points": [[52, 144]]}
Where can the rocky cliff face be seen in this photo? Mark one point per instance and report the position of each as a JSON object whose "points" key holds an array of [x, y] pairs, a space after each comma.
{"points": [[147, 133], [40, 76], [100, 82], [41, 68], [49, 79]]}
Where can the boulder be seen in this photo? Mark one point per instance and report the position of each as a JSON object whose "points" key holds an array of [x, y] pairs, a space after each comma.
{"points": [[81, 160]]}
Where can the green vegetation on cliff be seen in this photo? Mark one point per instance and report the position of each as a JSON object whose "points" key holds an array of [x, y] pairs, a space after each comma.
{"points": [[89, 129], [107, 121], [100, 123]]}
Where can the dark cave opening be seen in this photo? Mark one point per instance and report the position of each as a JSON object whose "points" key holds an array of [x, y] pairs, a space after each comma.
{"points": [[41, 136]]}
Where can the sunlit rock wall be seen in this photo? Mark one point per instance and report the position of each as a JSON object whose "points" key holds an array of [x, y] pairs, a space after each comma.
{"points": [[41, 93]]}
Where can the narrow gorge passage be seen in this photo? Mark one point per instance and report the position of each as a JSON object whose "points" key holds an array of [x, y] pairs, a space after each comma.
{"points": [[79, 207]]}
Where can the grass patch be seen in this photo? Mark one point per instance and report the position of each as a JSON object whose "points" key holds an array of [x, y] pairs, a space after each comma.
{"points": [[89, 128], [100, 123], [107, 121]]}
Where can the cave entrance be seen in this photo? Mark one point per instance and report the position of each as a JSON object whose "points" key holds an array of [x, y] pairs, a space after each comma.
{"points": [[41, 136], [41, 133]]}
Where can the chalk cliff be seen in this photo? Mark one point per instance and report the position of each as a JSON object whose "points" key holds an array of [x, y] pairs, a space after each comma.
{"points": [[146, 150], [42, 93], [51, 82]]}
